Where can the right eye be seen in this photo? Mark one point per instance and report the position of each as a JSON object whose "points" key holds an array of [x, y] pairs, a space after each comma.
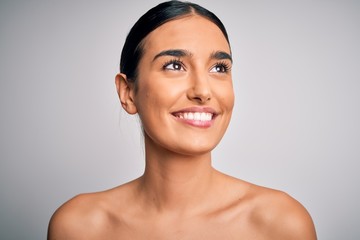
{"points": [[174, 65]]}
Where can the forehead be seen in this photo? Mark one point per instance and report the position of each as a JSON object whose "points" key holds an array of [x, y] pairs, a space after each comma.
{"points": [[191, 32]]}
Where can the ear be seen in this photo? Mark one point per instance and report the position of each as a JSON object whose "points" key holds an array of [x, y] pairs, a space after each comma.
{"points": [[125, 90]]}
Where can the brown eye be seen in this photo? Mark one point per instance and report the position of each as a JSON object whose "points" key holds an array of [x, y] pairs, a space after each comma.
{"points": [[220, 68], [174, 65]]}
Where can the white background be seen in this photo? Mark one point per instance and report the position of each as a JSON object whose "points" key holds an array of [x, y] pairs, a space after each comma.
{"points": [[295, 125]]}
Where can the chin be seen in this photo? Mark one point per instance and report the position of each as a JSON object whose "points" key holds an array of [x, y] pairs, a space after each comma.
{"points": [[195, 150]]}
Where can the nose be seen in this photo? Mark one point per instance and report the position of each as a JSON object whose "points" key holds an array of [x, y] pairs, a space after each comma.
{"points": [[199, 90]]}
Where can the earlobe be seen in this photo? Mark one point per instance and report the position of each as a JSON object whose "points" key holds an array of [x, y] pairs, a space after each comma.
{"points": [[125, 90]]}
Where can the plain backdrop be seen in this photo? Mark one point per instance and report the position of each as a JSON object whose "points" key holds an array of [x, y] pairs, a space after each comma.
{"points": [[295, 125]]}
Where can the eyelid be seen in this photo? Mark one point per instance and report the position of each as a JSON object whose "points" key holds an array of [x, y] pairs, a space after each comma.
{"points": [[173, 61], [225, 64]]}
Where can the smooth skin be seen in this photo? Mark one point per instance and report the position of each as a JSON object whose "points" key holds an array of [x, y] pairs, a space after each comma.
{"points": [[180, 195]]}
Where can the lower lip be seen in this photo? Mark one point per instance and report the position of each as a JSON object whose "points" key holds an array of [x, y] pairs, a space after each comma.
{"points": [[196, 123]]}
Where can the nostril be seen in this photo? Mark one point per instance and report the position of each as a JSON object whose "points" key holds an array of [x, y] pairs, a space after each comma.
{"points": [[202, 99], [199, 96], [199, 89]]}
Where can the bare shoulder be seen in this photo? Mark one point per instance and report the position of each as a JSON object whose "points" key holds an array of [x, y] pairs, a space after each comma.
{"points": [[88, 216], [281, 216], [78, 218]]}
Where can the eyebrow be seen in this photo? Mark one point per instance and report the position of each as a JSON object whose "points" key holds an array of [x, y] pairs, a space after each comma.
{"points": [[173, 53], [219, 55]]}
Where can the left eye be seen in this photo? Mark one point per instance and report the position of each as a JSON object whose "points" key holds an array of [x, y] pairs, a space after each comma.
{"points": [[220, 68]]}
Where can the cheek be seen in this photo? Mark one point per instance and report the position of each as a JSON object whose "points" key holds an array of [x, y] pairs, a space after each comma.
{"points": [[144, 99], [152, 99], [226, 96], [161, 92]]}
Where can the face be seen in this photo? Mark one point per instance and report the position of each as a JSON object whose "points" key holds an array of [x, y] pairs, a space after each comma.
{"points": [[184, 91]]}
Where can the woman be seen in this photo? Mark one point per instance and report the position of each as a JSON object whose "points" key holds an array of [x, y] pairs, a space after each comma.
{"points": [[176, 75]]}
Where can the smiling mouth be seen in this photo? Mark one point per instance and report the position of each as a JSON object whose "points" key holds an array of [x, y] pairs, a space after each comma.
{"points": [[195, 116]]}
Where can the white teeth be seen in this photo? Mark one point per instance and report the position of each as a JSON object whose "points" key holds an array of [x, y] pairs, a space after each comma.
{"points": [[190, 116], [197, 116], [206, 116]]}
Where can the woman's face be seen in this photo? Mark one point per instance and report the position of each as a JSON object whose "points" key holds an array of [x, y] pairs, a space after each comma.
{"points": [[184, 91]]}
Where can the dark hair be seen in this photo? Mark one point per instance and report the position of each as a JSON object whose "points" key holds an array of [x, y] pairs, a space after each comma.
{"points": [[155, 17]]}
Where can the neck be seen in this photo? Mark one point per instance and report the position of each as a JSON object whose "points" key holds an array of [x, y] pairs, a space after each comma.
{"points": [[175, 182]]}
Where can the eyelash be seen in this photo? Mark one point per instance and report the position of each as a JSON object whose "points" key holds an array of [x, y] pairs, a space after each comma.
{"points": [[172, 61], [222, 64]]}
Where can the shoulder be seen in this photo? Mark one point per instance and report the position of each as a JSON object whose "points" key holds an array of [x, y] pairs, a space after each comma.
{"points": [[281, 216], [83, 217]]}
